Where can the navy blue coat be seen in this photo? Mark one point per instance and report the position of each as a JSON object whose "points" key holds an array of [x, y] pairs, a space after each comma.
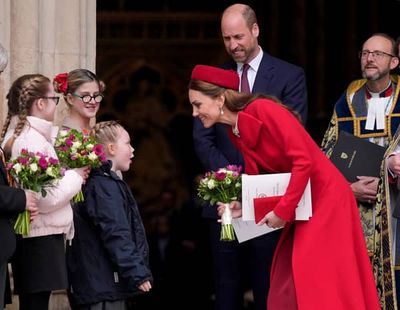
{"points": [[109, 256], [274, 77]]}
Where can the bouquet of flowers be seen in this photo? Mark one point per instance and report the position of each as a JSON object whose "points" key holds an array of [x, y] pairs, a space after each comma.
{"points": [[223, 186], [77, 149], [36, 172]]}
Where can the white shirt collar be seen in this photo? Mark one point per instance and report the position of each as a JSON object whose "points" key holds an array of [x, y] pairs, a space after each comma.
{"points": [[254, 64], [253, 68]]}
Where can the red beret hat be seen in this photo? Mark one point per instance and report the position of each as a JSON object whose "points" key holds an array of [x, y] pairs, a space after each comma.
{"points": [[220, 77]]}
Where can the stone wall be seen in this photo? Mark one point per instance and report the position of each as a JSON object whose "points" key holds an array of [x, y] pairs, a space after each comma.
{"points": [[47, 37]]}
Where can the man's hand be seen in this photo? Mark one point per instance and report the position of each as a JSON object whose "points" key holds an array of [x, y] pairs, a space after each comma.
{"points": [[394, 163], [365, 189]]}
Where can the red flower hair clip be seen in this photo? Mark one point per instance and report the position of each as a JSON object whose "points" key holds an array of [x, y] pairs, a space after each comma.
{"points": [[62, 81]]}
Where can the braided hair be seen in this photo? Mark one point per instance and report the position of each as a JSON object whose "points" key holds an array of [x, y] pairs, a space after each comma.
{"points": [[107, 132], [23, 93]]}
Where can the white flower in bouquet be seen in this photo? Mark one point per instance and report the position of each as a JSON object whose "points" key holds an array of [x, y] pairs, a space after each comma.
{"points": [[33, 167], [222, 186]]}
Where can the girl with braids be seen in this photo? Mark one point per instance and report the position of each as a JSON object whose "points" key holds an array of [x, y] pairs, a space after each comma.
{"points": [[108, 260], [83, 92], [12, 202], [39, 262]]}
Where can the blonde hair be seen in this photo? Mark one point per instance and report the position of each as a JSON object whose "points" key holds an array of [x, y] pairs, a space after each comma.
{"points": [[107, 132], [22, 94], [3, 58]]}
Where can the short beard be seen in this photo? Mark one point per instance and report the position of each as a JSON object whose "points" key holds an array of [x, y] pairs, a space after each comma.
{"points": [[376, 76], [239, 59]]}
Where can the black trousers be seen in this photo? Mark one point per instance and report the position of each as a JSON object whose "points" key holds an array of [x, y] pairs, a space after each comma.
{"points": [[234, 263], [34, 301], [3, 269]]}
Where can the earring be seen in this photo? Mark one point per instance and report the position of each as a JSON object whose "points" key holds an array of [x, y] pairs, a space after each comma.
{"points": [[221, 111]]}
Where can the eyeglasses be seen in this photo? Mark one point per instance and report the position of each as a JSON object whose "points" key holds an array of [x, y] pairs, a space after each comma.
{"points": [[56, 99], [375, 54], [87, 98]]}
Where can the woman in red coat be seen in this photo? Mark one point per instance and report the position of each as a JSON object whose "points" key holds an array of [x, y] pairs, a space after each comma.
{"points": [[318, 264]]}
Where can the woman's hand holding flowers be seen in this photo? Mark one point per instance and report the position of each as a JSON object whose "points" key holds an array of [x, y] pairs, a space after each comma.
{"points": [[235, 206]]}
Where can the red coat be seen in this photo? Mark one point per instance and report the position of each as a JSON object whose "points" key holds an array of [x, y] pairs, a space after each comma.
{"points": [[330, 268]]}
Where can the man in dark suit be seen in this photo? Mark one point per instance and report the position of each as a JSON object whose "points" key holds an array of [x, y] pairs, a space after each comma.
{"points": [[262, 74], [12, 202]]}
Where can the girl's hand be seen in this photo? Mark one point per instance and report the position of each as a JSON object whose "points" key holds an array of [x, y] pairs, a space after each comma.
{"points": [[83, 172], [235, 206], [272, 220], [145, 287]]}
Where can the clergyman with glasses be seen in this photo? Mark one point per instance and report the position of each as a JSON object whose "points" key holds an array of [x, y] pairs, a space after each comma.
{"points": [[370, 109]]}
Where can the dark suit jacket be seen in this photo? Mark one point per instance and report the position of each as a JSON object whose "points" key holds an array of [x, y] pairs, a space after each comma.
{"points": [[12, 202], [274, 77]]}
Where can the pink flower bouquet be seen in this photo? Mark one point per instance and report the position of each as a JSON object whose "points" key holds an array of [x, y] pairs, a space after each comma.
{"points": [[35, 172], [77, 149], [223, 186]]}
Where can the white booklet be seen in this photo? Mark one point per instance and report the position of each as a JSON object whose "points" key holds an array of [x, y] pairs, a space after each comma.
{"points": [[265, 185], [246, 230]]}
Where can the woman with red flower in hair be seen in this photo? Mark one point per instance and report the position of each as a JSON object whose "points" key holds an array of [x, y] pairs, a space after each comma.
{"points": [[83, 93]]}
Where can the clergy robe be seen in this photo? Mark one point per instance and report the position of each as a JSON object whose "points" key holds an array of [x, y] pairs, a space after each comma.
{"points": [[350, 115]]}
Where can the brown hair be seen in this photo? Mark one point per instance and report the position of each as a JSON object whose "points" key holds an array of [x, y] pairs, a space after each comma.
{"points": [[249, 16], [247, 13], [76, 78], [389, 38], [23, 93], [234, 100]]}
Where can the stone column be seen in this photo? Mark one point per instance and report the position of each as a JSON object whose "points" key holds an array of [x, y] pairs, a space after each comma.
{"points": [[5, 41], [47, 37]]}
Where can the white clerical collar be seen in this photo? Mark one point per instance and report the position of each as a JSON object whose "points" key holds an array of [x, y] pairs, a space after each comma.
{"points": [[387, 92], [378, 107]]}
